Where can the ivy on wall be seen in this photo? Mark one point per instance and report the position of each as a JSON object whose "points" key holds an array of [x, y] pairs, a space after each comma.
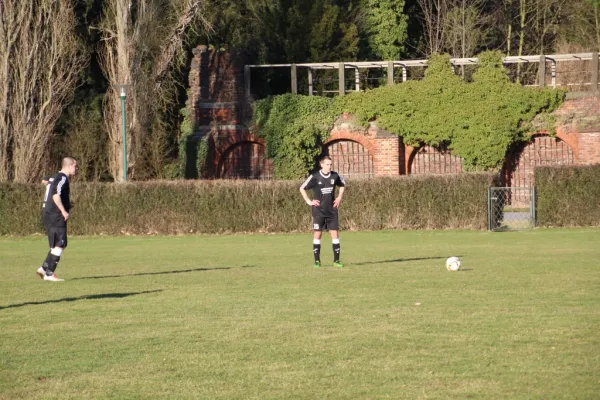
{"points": [[192, 154], [294, 128], [477, 120]]}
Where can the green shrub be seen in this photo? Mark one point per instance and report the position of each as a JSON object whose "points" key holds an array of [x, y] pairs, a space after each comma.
{"points": [[184, 207], [568, 196], [477, 120], [21, 208]]}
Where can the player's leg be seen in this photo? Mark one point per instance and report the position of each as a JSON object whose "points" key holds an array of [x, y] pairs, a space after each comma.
{"points": [[318, 223], [335, 241], [59, 243], [41, 271]]}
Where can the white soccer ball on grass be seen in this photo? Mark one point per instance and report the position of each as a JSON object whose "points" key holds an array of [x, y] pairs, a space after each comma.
{"points": [[453, 264]]}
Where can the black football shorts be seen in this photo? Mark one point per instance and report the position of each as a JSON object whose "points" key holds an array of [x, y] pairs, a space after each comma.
{"points": [[326, 223]]}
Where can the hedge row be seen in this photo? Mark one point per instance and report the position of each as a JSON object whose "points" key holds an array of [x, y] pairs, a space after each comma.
{"points": [[568, 196], [183, 207]]}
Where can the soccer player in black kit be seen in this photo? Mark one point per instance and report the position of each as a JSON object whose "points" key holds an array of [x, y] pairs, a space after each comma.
{"points": [[325, 207], [55, 213]]}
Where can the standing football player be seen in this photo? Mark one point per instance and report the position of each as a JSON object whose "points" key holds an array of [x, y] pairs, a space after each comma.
{"points": [[55, 214], [325, 207]]}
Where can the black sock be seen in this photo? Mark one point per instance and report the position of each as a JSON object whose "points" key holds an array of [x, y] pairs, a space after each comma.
{"points": [[336, 251], [52, 264], [317, 250], [47, 262]]}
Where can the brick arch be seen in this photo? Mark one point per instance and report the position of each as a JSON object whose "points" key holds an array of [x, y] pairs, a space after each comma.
{"points": [[350, 158], [364, 141], [245, 160], [540, 150], [425, 160]]}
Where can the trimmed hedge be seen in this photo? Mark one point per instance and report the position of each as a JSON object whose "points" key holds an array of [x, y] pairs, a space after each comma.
{"points": [[568, 196], [183, 207]]}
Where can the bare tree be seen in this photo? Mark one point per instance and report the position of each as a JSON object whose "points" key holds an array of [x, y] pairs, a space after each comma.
{"points": [[142, 43], [465, 27], [537, 18], [434, 21], [581, 25], [40, 59]]}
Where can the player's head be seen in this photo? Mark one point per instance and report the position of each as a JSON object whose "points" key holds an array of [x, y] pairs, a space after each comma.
{"points": [[326, 163], [69, 166]]}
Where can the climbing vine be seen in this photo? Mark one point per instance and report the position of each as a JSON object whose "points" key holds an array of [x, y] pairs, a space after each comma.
{"points": [[476, 120]]}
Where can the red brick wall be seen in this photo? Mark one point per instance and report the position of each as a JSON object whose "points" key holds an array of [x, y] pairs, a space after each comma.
{"points": [[234, 152], [540, 151], [589, 148], [350, 159], [245, 160], [578, 124], [218, 105], [430, 160]]}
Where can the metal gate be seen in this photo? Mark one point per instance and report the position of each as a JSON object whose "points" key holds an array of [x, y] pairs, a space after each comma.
{"points": [[511, 208], [350, 159]]}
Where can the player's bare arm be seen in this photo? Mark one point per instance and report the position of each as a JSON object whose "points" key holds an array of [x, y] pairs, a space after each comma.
{"points": [[60, 206], [338, 199], [308, 201]]}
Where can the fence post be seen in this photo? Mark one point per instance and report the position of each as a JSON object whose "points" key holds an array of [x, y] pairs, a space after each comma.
{"points": [[247, 81], [310, 81], [294, 76], [595, 71], [489, 208], [357, 79], [341, 78], [542, 71], [390, 73], [533, 205]]}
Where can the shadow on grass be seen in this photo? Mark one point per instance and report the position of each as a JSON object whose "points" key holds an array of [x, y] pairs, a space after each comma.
{"points": [[401, 260], [180, 271], [86, 297]]}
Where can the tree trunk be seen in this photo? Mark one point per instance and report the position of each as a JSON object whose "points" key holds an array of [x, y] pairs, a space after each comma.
{"points": [[522, 25], [39, 66]]}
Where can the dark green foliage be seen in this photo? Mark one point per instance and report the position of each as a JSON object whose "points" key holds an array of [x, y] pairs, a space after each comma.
{"points": [[568, 196], [294, 127], [21, 208], [478, 120], [411, 202], [183, 207], [386, 27], [192, 153]]}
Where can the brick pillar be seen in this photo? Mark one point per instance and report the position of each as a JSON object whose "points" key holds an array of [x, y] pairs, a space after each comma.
{"points": [[387, 155], [216, 103], [589, 148]]}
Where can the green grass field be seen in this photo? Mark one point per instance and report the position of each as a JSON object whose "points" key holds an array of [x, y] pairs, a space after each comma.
{"points": [[247, 317]]}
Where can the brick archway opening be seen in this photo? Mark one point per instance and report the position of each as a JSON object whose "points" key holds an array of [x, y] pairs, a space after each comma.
{"points": [[350, 159], [427, 160], [541, 150], [245, 160]]}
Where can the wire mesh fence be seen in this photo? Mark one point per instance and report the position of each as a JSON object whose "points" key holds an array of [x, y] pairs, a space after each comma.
{"points": [[511, 208]]}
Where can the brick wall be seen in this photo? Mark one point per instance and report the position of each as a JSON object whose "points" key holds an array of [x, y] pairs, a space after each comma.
{"points": [[218, 105], [385, 150], [577, 141], [540, 151], [430, 160]]}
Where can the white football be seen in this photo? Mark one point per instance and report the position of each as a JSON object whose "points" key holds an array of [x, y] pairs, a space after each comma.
{"points": [[453, 264]]}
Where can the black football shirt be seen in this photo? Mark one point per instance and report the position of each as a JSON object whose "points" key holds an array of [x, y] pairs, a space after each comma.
{"points": [[323, 189]]}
